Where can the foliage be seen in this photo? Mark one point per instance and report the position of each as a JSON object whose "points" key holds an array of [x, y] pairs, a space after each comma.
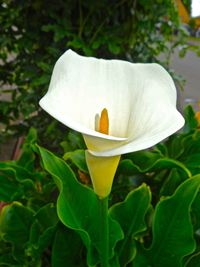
{"points": [[48, 211], [188, 5], [35, 33], [153, 216]]}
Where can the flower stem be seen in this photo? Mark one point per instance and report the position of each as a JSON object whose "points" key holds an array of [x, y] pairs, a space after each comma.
{"points": [[104, 231]]}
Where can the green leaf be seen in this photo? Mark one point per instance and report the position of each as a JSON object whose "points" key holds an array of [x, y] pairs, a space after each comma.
{"points": [[196, 215], [9, 190], [15, 223], [193, 161], [8, 260], [42, 230], [193, 261], [172, 227], [174, 145], [143, 160], [141, 259], [114, 262], [188, 144], [17, 172], [148, 162], [114, 48], [74, 141], [131, 216], [15, 181], [67, 249], [172, 181], [78, 209], [190, 120], [27, 157], [78, 158]]}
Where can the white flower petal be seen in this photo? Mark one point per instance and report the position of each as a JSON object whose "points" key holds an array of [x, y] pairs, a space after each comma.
{"points": [[140, 99], [146, 139]]}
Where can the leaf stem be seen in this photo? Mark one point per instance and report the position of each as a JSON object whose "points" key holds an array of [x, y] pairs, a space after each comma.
{"points": [[104, 231]]}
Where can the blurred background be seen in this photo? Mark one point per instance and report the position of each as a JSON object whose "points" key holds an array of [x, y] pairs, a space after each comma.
{"points": [[189, 65], [33, 34]]}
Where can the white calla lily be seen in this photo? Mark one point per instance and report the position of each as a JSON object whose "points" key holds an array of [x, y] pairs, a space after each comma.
{"points": [[140, 100]]}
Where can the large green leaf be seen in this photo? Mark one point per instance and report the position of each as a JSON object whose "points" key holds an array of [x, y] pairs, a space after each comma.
{"points": [[196, 215], [78, 209], [172, 229], [146, 161], [67, 249], [131, 215], [194, 260]]}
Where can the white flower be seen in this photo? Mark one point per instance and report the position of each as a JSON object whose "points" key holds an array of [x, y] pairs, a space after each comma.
{"points": [[140, 100]]}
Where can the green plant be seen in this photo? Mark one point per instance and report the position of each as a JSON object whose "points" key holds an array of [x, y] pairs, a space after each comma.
{"points": [[153, 216]]}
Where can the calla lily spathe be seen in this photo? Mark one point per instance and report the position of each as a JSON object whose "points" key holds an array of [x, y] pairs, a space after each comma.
{"points": [[140, 99]]}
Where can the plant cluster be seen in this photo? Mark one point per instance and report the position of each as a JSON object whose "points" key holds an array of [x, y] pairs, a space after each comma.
{"points": [[153, 208], [49, 214]]}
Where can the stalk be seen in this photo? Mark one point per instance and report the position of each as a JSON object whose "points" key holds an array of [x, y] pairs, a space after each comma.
{"points": [[104, 231]]}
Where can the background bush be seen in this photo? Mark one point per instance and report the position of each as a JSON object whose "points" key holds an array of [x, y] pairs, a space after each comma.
{"points": [[34, 34]]}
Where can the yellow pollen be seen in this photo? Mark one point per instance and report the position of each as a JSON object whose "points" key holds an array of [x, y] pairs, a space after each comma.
{"points": [[104, 122]]}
